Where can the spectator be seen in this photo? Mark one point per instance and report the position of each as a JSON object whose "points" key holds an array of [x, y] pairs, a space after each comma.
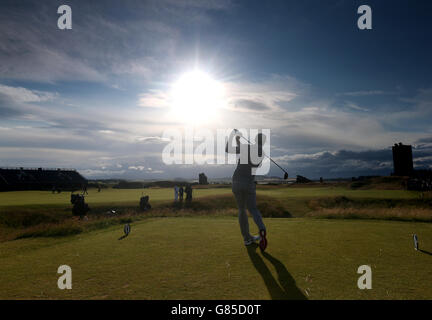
{"points": [[181, 191], [176, 193], [188, 191]]}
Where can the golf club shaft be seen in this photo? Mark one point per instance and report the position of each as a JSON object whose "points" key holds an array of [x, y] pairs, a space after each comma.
{"points": [[276, 164], [264, 154]]}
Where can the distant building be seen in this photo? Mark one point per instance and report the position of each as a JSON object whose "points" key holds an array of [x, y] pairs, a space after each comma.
{"points": [[402, 160], [202, 179], [12, 179]]}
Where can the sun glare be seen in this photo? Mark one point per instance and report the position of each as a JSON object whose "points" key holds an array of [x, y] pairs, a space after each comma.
{"points": [[197, 98]]}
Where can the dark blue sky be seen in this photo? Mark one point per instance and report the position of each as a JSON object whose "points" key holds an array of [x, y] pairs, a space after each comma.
{"points": [[98, 97], [319, 42]]}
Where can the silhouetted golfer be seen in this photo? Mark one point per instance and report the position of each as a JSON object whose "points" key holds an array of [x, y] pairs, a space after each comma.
{"points": [[244, 189]]}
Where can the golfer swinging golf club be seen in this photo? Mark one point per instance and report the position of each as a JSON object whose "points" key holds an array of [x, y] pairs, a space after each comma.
{"points": [[244, 189]]}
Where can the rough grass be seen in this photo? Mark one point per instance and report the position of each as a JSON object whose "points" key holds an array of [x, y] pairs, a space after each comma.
{"points": [[345, 202], [387, 209], [268, 206], [31, 224], [26, 219], [379, 183], [399, 214], [34, 219], [50, 230]]}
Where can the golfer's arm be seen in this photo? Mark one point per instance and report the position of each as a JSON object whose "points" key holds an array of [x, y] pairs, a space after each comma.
{"points": [[229, 148], [255, 165], [252, 164]]}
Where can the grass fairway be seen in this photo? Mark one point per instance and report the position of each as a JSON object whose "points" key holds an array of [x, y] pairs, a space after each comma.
{"points": [[203, 258], [295, 199], [105, 197], [131, 196]]}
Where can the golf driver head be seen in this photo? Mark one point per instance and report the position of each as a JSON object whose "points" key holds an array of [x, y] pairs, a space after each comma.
{"points": [[286, 175]]}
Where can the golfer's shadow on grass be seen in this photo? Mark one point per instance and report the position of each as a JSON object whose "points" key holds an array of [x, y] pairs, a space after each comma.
{"points": [[286, 288], [425, 252]]}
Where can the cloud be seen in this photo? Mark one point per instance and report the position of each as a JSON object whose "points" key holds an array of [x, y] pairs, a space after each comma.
{"points": [[20, 102], [299, 135], [155, 139], [154, 99], [414, 116], [20, 94], [341, 163], [366, 93], [354, 106], [141, 38], [39, 54], [208, 5], [249, 105], [140, 168], [6, 111], [269, 94], [107, 131], [307, 126], [102, 173]]}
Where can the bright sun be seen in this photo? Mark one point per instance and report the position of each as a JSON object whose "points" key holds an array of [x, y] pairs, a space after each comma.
{"points": [[196, 98]]}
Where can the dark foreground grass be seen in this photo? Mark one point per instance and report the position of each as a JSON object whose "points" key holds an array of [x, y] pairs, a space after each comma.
{"points": [[204, 258]]}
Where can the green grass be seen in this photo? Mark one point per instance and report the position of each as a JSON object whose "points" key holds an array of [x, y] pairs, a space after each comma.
{"points": [[41, 213], [131, 196], [295, 199], [20, 209], [22, 222], [105, 197], [204, 258], [197, 252]]}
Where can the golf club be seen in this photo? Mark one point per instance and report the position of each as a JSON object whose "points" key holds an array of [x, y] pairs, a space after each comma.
{"points": [[285, 173]]}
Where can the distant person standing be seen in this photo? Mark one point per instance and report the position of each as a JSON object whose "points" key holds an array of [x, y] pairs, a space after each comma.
{"points": [[176, 193], [181, 191], [188, 191], [244, 189]]}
